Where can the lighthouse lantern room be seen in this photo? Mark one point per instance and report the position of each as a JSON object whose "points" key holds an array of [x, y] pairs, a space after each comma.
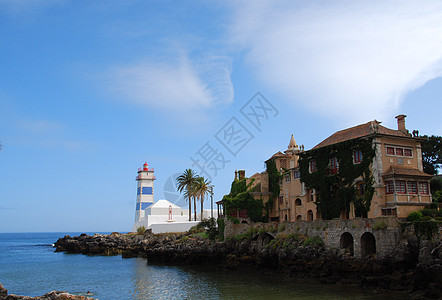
{"points": [[145, 191]]}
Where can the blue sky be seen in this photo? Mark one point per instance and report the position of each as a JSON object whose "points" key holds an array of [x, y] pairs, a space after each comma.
{"points": [[90, 90]]}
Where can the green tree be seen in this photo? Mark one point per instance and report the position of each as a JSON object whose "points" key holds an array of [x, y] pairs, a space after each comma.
{"points": [[436, 188], [431, 154], [186, 181], [202, 187]]}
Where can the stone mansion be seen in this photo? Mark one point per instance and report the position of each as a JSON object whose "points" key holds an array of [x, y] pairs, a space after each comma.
{"points": [[363, 171]]}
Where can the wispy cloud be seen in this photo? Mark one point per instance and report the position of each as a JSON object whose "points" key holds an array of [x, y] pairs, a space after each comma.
{"points": [[176, 83], [342, 58], [6, 208]]}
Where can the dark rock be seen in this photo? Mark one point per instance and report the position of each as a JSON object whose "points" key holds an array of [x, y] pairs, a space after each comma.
{"points": [[3, 291], [54, 295]]}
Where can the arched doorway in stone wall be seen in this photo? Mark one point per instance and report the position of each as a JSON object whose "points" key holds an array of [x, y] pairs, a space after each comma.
{"points": [[347, 242], [310, 215], [368, 245], [299, 218]]}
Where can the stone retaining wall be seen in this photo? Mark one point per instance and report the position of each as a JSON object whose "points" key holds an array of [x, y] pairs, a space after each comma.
{"points": [[385, 231]]}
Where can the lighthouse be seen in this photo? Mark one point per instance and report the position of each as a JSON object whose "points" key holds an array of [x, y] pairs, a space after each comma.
{"points": [[145, 180]]}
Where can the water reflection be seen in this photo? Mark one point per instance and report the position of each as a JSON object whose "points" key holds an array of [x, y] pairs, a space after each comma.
{"points": [[165, 282]]}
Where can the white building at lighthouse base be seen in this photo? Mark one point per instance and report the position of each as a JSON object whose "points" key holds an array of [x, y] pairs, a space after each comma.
{"points": [[164, 216]]}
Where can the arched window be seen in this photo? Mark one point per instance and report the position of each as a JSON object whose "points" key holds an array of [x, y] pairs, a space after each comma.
{"points": [[310, 215], [298, 201]]}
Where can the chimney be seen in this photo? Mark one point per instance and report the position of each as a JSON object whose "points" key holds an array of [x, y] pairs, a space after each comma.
{"points": [[401, 123], [242, 174]]}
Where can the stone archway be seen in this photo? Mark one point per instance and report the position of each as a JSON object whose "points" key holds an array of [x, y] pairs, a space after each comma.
{"points": [[299, 218], [368, 245], [347, 242], [298, 202], [310, 215]]}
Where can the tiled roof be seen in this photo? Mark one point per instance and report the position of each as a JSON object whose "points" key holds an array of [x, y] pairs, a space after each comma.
{"points": [[359, 131], [404, 171], [277, 154]]}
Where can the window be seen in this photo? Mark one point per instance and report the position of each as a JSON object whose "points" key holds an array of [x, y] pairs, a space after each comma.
{"points": [[296, 174], [283, 163], [423, 188], [333, 165], [390, 187], [281, 199], [390, 150], [312, 166], [357, 156], [399, 151], [400, 187], [361, 189], [389, 211], [412, 187], [287, 178]]}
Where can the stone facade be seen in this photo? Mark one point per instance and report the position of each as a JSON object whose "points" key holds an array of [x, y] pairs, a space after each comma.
{"points": [[385, 232]]}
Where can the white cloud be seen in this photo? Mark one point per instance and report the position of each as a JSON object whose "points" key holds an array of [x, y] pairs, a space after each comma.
{"points": [[175, 84], [342, 58]]}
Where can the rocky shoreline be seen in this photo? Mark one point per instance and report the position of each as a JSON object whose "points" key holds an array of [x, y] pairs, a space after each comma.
{"points": [[414, 267], [54, 295]]}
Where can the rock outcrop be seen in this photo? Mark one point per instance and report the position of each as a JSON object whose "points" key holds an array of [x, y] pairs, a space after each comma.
{"points": [[414, 266], [54, 295]]}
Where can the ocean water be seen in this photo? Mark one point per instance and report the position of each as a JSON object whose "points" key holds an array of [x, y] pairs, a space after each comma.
{"points": [[29, 266]]}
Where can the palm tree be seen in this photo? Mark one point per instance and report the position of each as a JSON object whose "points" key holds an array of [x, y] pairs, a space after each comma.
{"points": [[186, 181], [202, 187], [193, 193]]}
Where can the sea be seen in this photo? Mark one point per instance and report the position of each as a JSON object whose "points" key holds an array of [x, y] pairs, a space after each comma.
{"points": [[29, 266]]}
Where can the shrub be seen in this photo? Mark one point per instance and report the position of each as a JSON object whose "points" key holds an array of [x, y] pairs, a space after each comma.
{"points": [[262, 230], [314, 242], [426, 229], [433, 205], [195, 229], [414, 216], [281, 228], [141, 229], [272, 229], [221, 226], [203, 235], [379, 226], [429, 212]]}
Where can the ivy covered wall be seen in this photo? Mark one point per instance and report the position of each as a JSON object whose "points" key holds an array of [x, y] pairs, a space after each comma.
{"points": [[335, 191], [240, 198]]}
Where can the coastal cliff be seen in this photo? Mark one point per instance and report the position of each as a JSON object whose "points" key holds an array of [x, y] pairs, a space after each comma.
{"points": [[414, 265]]}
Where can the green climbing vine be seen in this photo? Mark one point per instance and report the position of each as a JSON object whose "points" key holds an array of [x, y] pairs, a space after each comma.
{"points": [[274, 183], [335, 191], [240, 198]]}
